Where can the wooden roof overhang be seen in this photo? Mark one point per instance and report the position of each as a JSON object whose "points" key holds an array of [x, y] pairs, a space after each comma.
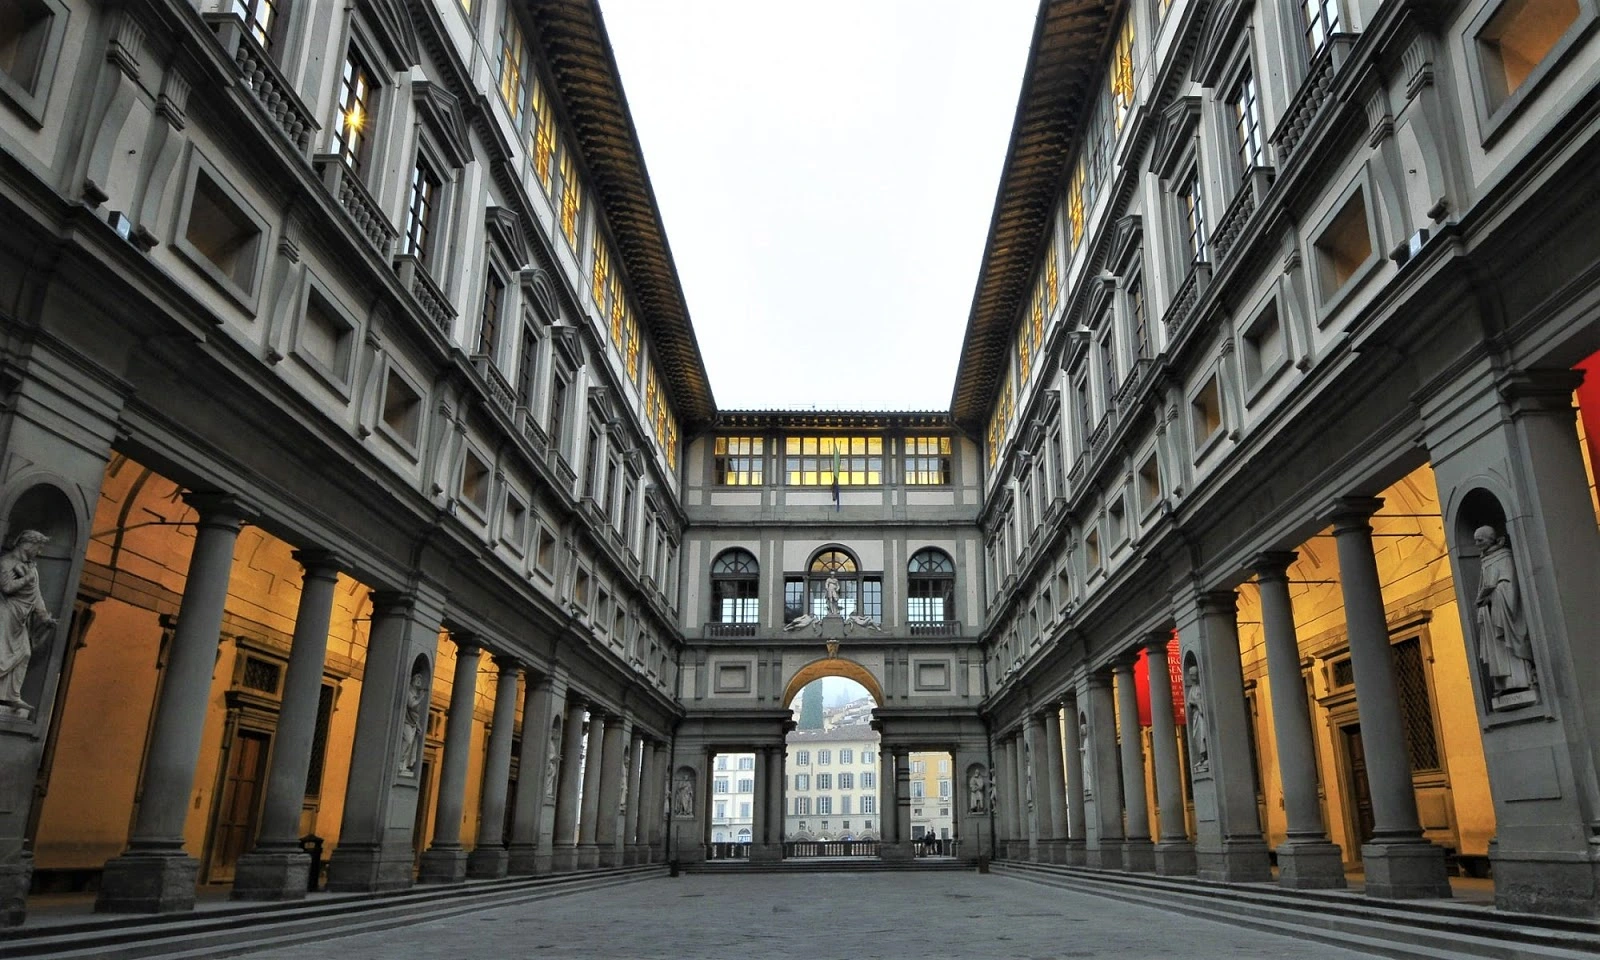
{"points": [[1064, 67], [573, 40], [833, 420]]}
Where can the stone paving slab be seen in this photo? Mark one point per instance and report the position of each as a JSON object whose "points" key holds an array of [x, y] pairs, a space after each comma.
{"points": [[876, 916]]}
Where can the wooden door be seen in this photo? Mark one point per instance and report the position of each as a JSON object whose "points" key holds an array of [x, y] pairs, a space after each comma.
{"points": [[1360, 797], [238, 804]]}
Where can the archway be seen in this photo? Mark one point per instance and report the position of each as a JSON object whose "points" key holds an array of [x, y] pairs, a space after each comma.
{"points": [[833, 667]]}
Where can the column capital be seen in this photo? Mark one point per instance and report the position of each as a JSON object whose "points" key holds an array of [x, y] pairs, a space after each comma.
{"points": [[1352, 513], [1045, 712], [221, 509], [1273, 565], [1124, 661], [1097, 679], [1219, 601], [1540, 391], [505, 662], [319, 563], [1158, 642], [466, 643]]}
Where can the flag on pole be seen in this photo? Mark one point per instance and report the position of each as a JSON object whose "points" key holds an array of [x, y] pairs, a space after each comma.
{"points": [[836, 475]]}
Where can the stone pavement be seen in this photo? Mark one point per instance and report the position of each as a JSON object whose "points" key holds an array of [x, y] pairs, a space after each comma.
{"points": [[917, 916]]}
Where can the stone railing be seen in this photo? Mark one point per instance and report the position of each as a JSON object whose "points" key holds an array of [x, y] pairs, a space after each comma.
{"points": [[1132, 382], [430, 299], [532, 430], [1101, 431], [495, 382], [934, 628], [934, 846], [259, 74], [354, 197], [1184, 300], [830, 848], [722, 631], [1245, 203], [728, 851], [1313, 93]]}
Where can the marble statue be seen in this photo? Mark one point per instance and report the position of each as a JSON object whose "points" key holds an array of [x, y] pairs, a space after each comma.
{"points": [[27, 624], [830, 588], [804, 620], [1083, 753], [1503, 644], [683, 795], [413, 730], [1194, 716], [977, 791], [622, 792], [552, 760], [862, 620]]}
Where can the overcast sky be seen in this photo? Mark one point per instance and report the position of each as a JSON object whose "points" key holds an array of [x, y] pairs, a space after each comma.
{"points": [[826, 171]]}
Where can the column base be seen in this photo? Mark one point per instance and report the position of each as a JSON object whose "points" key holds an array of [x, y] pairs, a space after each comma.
{"points": [[898, 851], [15, 879], [1405, 870], [588, 856], [1076, 855], [1106, 855], [1016, 849], [272, 875], [488, 863], [1053, 851], [370, 868], [148, 882], [1139, 856], [564, 859], [766, 852], [1174, 858], [522, 860], [611, 856], [1557, 884], [1239, 861], [1311, 866], [443, 865]]}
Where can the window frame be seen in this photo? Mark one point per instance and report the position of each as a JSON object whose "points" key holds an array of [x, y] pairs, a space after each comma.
{"points": [[1495, 119], [247, 299], [30, 99], [726, 461], [360, 161], [915, 460], [1328, 303], [341, 382], [929, 581], [746, 608]]}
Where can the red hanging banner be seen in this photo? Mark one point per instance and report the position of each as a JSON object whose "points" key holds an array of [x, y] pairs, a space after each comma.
{"points": [[1141, 682]]}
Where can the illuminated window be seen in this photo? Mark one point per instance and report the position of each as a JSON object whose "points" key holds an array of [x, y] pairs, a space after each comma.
{"points": [[672, 444], [632, 330], [1247, 123], [513, 64], [1038, 319], [260, 18], [544, 135], [1121, 79], [600, 272], [619, 316], [419, 211], [1192, 207], [1108, 365], [1024, 352], [1322, 22], [1517, 39], [813, 461], [1075, 206], [927, 461], [1345, 246], [930, 587], [571, 198], [737, 461], [357, 99], [735, 580], [1052, 285]]}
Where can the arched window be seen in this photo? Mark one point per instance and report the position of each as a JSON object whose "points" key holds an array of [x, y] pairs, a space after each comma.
{"points": [[744, 835], [930, 587], [858, 593], [735, 578]]}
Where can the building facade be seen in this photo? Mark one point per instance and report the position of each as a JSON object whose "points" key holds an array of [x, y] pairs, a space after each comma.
{"points": [[363, 483]]}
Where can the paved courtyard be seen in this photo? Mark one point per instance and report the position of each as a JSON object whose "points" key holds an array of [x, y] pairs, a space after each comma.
{"points": [[925, 916]]}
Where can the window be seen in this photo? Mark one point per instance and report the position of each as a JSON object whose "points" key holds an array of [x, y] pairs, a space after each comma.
{"points": [[1091, 550], [1416, 706], [815, 461], [927, 461], [719, 785], [744, 814], [735, 582], [546, 556], [802, 781], [513, 64], [1116, 515], [600, 276], [824, 781], [221, 236], [747, 763], [527, 366], [930, 587], [869, 780], [846, 755], [857, 594], [869, 804], [489, 323], [260, 18], [1191, 205], [558, 414], [802, 807], [357, 99], [1247, 123], [592, 466], [802, 758], [402, 409], [30, 43], [571, 198], [847, 781], [944, 789], [1321, 22], [722, 763], [747, 786], [475, 481], [1517, 39], [919, 767], [324, 338], [419, 211], [1108, 363], [1085, 413], [1344, 246], [919, 789], [1205, 412], [544, 134], [844, 805], [1139, 319], [1149, 483], [867, 756], [721, 808], [737, 461], [824, 807], [824, 757]]}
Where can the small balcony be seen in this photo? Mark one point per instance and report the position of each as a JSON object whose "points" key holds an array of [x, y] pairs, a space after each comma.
{"points": [[532, 430], [730, 631], [934, 628], [259, 74], [1252, 191], [346, 187], [430, 299], [1314, 90], [494, 382], [1187, 297]]}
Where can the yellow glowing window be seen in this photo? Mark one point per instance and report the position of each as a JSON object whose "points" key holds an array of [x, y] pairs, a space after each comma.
{"points": [[672, 445], [1052, 283], [649, 393], [810, 461], [571, 198], [619, 311], [544, 135], [1121, 79], [600, 273], [994, 441], [927, 460], [1024, 353], [738, 461], [1038, 317], [513, 58], [1075, 206], [633, 348], [661, 416]]}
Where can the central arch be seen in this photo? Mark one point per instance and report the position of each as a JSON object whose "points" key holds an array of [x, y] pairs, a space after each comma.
{"points": [[833, 667]]}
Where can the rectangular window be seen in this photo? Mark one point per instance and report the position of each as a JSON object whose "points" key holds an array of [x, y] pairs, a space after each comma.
{"points": [[1322, 22], [869, 780], [1141, 323], [1108, 366], [558, 414], [802, 807], [544, 135], [475, 481], [571, 198], [738, 461], [1344, 246], [1149, 483], [720, 785], [846, 755], [527, 366], [1205, 412], [802, 758], [844, 804], [513, 64], [1247, 123], [1517, 39], [402, 409], [824, 781], [869, 804], [811, 461], [847, 781], [260, 18], [927, 461], [600, 272], [1191, 204], [357, 99], [824, 757], [872, 598], [824, 806], [419, 211], [489, 324], [794, 598]]}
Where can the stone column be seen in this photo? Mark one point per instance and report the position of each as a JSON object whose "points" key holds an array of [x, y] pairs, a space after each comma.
{"points": [[1056, 786], [538, 763], [386, 754], [1174, 854], [277, 869], [613, 781], [887, 818], [1039, 773], [445, 860], [655, 813], [1106, 839], [762, 827], [1306, 859], [1228, 846], [1010, 820], [1398, 862], [564, 839], [775, 802], [632, 843], [589, 817], [1072, 749], [1138, 853], [902, 801], [489, 859], [1024, 793], [155, 874]]}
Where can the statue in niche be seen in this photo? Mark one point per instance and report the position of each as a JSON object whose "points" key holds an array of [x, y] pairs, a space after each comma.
{"points": [[27, 625], [830, 589], [622, 792], [552, 760], [683, 795], [994, 794], [413, 730], [1194, 716], [1503, 644], [1083, 753], [977, 791], [1027, 776]]}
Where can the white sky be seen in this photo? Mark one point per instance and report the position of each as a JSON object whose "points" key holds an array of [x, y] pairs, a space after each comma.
{"points": [[826, 171]]}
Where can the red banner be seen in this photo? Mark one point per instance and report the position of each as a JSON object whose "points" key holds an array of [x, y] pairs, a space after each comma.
{"points": [[1141, 683]]}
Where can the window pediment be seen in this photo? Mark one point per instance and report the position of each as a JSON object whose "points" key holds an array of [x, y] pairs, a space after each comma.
{"points": [[441, 111], [1224, 25], [536, 287], [1178, 126], [505, 231], [1126, 237], [396, 34]]}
